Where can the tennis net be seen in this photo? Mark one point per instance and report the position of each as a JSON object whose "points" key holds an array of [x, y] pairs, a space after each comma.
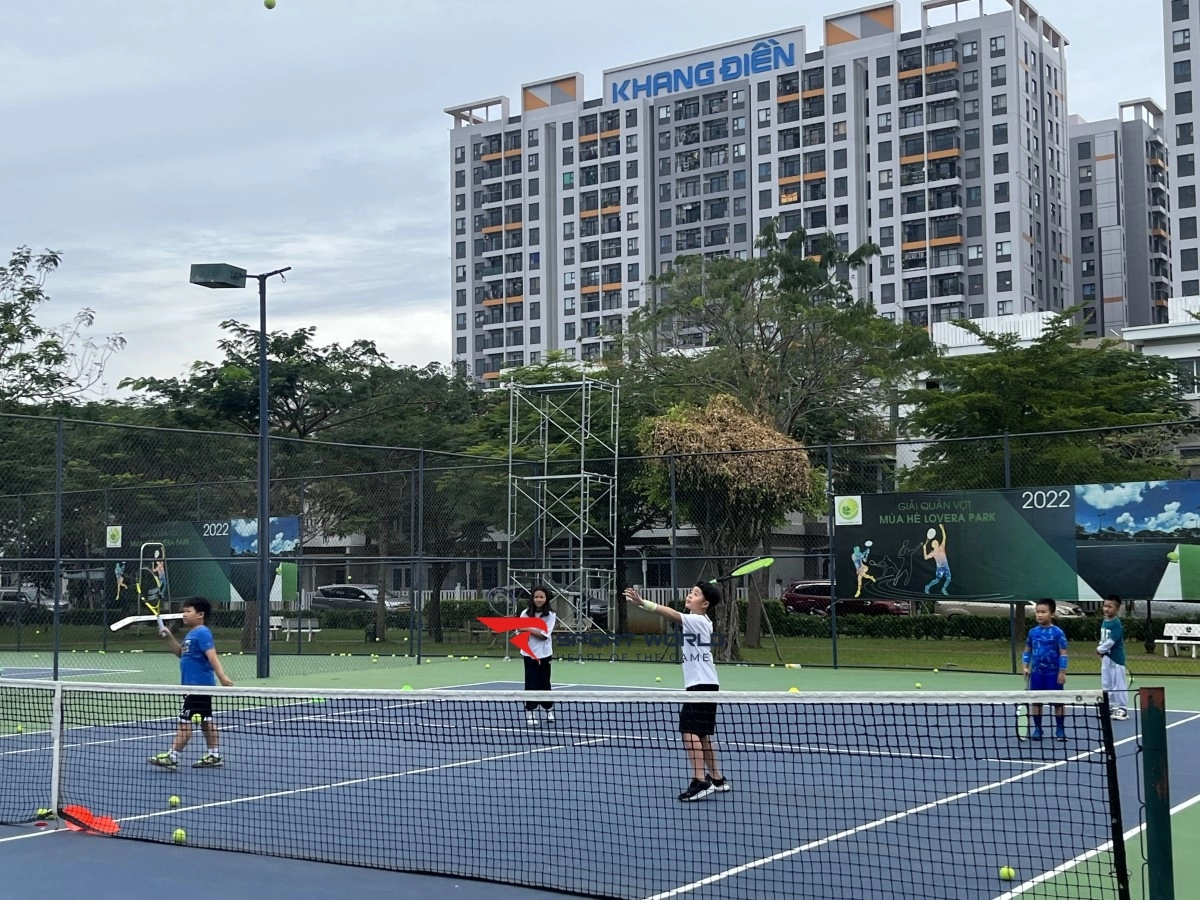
{"points": [[834, 795]]}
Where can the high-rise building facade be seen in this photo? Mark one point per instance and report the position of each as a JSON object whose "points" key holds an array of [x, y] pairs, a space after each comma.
{"points": [[946, 146], [1120, 179], [1181, 50]]}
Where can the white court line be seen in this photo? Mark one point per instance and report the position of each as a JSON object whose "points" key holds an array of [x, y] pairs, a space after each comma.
{"points": [[1103, 848], [885, 820], [353, 782]]}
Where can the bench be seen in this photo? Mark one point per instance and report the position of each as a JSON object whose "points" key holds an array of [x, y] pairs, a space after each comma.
{"points": [[1177, 636], [293, 626]]}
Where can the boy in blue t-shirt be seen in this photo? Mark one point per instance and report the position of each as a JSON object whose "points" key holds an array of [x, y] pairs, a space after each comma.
{"points": [[198, 665], [1112, 658], [1045, 665]]}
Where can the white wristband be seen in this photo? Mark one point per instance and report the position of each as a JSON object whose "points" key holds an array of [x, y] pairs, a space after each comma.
{"points": [[649, 605]]}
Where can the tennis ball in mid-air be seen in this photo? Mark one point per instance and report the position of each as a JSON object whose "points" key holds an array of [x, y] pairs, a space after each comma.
{"points": [[197, 718], [1007, 873], [180, 836], [269, 4], [172, 801]]}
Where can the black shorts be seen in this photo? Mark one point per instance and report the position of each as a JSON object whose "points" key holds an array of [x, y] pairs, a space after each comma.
{"points": [[699, 719], [196, 703]]}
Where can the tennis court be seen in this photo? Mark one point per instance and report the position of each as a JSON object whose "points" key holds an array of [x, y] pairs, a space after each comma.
{"points": [[866, 797]]}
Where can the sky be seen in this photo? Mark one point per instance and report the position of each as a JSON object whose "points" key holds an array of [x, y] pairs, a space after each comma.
{"points": [[146, 135], [1138, 505]]}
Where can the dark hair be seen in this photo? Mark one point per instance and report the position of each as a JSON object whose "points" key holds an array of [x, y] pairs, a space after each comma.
{"points": [[711, 593], [1114, 598], [545, 610], [200, 605], [1046, 601]]}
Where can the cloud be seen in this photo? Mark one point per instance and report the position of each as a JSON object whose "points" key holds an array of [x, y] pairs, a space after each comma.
{"points": [[1127, 521], [1170, 519], [281, 543], [1112, 496], [245, 527]]}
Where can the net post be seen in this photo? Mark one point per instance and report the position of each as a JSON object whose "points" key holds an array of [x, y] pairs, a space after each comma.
{"points": [[56, 731], [1120, 862], [1160, 862]]}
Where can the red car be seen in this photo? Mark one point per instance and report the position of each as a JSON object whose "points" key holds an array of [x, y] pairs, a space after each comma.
{"points": [[811, 598]]}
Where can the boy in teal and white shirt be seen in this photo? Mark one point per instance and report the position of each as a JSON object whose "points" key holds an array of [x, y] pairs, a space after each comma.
{"points": [[1111, 648]]}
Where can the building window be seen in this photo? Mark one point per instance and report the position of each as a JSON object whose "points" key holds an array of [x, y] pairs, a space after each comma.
{"points": [[1183, 102], [999, 104], [1183, 70], [764, 90], [1185, 164], [885, 151], [1087, 221], [1179, 10], [1000, 164], [1004, 281], [1003, 222], [631, 120], [1181, 39], [764, 116], [1085, 173], [1085, 197], [1184, 133], [1087, 244], [996, 45], [1085, 150], [1003, 251], [999, 75], [970, 50], [1187, 196], [460, 273], [1000, 192], [839, 131], [1189, 260], [1187, 228], [884, 122], [971, 139], [1000, 133]]}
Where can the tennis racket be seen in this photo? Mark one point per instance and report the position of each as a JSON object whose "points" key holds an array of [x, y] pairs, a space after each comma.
{"points": [[80, 818], [160, 618], [1023, 716], [746, 568]]}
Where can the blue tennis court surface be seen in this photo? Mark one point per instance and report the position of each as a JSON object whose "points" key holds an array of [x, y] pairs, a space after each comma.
{"points": [[837, 811]]}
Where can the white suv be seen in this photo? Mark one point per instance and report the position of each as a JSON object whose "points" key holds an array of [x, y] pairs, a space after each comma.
{"points": [[1064, 609]]}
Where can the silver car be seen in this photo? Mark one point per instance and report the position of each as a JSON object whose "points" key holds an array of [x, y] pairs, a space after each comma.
{"points": [[1064, 609], [356, 596]]}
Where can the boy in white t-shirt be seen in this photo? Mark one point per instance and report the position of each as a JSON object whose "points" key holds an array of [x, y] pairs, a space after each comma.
{"points": [[697, 721]]}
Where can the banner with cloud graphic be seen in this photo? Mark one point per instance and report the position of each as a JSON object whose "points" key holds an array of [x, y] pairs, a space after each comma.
{"points": [[1140, 540]]}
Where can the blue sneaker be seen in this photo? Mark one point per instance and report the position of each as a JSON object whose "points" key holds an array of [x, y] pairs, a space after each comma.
{"points": [[1037, 734], [1060, 734]]}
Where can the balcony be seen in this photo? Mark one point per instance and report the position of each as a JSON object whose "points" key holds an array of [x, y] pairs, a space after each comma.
{"points": [[947, 286]]}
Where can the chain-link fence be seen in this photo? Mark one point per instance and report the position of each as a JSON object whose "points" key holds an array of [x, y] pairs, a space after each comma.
{"points": [[385, 556]]}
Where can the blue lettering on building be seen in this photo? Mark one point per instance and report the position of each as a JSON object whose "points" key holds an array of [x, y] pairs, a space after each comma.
{"points": [[765, 56]]}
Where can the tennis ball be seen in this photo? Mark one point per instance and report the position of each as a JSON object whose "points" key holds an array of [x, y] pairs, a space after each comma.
{"points": [[918, 684], [377, 640], [374, 660], [935, 671], [20, 729], [180, 836], [1007, 873], [793, 690], [658, 678], [172, 801], [44, 813], [320, 699], [269, 4], [487, 665], [407, 687], [197, 718]]}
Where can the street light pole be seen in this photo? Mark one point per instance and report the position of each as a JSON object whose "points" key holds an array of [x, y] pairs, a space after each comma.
{"points": [[222, 276]]}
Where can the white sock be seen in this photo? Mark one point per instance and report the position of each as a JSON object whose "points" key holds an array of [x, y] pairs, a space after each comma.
{"points": [[174, 754], [214, 751]]}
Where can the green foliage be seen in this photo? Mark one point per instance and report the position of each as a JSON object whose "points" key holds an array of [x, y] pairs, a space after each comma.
{"points": [[1057, 383], [38, 364], [783, 333]]}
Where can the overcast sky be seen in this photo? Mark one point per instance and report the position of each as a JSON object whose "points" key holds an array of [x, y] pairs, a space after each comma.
{"points": [[143, 135]]}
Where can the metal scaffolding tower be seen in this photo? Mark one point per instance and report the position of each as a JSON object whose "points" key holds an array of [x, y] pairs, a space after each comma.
{"points": [[562, 496]]}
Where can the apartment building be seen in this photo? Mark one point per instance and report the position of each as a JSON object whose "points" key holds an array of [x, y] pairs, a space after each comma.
{"points": [[1122, 235], [946, 145], [1181, 21]]}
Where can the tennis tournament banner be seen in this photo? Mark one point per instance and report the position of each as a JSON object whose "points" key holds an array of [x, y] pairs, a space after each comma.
{"points": [[1070, 542]]}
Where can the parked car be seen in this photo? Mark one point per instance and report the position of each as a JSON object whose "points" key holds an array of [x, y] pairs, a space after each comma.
{"points": [[1064, 609], [811, 598], [356, 596], [15, 603]]}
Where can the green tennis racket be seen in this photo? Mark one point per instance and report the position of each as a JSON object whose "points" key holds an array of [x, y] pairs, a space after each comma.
{"points": [[746, 568]]}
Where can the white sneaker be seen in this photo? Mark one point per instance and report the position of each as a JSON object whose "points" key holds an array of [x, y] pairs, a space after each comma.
{"points": [[530, 719], [550, 715], [1120, 715]]}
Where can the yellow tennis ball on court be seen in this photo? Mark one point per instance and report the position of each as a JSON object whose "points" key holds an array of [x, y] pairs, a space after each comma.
{"points": [[172, 801], [20, 729], [197, 718], [918, 684], [793, 690], [180, 836], [407, 687], [374, 660], [1007, 873], [658, 678], [487, 665], [935, 671]]}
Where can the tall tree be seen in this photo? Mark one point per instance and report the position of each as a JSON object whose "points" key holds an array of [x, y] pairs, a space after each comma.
{"points": [[736, 479], [40, 364], [1058, 383], [782, 332]]}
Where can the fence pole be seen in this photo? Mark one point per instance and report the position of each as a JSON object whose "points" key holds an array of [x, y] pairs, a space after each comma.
{"points": [[20, 558], [58, 528], [1013, 610], [831, 514], [419, 575], [674, 539], [103, 598], [299, 611], [1160, 863]]}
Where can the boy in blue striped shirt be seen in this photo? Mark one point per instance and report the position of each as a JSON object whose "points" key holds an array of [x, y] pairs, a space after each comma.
{"points": [[1045, 665]]}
